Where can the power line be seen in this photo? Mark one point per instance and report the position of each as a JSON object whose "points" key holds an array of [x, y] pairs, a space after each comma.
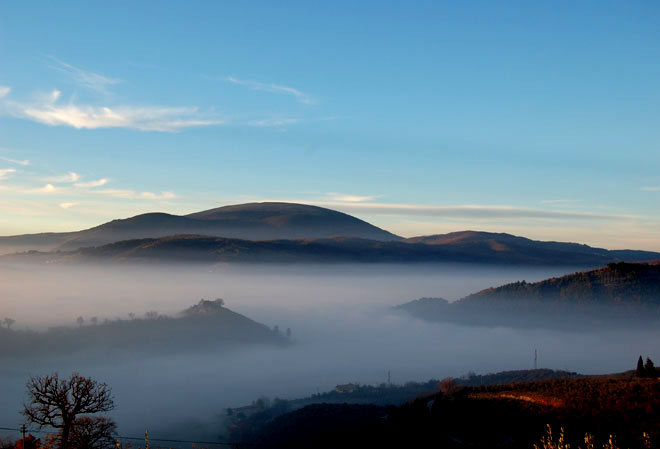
{"points": [[162, 440]]}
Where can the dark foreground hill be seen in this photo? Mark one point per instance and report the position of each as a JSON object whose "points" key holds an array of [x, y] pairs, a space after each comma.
{"points": [[206, 326], [509, 415], [619, 294], [252, 221], [210, 250]]}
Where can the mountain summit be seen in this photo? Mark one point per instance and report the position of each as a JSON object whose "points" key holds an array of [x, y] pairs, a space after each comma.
{"points": [[252, 221]]}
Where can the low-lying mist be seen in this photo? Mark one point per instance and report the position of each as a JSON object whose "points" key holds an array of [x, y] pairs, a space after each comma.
{"points": [[343, 330]]}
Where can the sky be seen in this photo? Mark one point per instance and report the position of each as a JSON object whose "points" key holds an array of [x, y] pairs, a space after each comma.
{"points": [[539, 119]]}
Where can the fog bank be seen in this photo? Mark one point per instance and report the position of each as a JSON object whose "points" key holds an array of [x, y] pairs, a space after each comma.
{"points": [[342, 331]]}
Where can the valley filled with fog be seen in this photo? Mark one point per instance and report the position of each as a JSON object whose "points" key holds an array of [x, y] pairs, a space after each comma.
{"points": [[343, 330]]}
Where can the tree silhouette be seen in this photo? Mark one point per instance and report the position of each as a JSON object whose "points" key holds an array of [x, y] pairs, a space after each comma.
{"points": [[8, 322], [650, 369], [29, 442], [640, 371], [58, 403], [93, 432], [80, 320]]}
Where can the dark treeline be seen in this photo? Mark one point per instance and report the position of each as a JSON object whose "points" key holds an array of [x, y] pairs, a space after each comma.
{"points": [[620, 295], [247, 423], [510, 415], [207, 325]]}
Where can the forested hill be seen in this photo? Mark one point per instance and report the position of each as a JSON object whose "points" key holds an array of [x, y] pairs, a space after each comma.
{"points": [[616, 283], [205, 326], [619, 295]]}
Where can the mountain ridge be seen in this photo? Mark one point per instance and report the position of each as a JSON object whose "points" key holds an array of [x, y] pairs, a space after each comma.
{"points": [[617, 295], [212, 250], [250, 221]]}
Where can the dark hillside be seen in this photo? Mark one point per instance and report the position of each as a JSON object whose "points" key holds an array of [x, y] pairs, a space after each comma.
{"points": [[206, 326]]}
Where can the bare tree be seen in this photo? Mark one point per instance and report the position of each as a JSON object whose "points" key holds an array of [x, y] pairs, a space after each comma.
{"points": [[94, 320], [93, 432], [8, 322], [58, 403], [80, 320]]}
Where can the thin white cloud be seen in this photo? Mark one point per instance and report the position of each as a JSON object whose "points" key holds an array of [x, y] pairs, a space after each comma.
{"points": [[4, 91], [4, 172], [48, 188], [69, 178], [91, 184], [15, 161], [479, 212], [560, 201], [133, 195], [350, 198], [67, 205], [272, 122], [651, 189], [271, 87], [50, 111], [90, 80]]}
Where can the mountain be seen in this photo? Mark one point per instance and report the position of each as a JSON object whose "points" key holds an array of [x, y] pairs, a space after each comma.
{"points": [[618, 295], [276, 232], [209, 250], [501, 245], [253, 221]]}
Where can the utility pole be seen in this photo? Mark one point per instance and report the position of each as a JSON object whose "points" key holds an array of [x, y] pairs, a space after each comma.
{"points": [[389, 378], [23, 430], [536, 358]]}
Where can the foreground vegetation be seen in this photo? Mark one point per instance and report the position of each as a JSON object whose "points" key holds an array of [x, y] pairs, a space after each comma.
{"points": [[551, 410], [614, 411]]}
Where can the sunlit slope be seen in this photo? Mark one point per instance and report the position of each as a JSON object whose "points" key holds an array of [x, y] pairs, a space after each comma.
{"points": [[618, 295], [617, 283]]}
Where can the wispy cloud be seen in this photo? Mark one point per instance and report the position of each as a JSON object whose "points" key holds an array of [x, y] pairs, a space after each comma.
{"points": [[68, 178], [133, 195], [4, 91], [67, 205], [91, 184], [479, 212], [90, 80], [50, 111], [560, 201], [48, 188], [4, 172], [271, 87], [651, 189], [15, 161], [272, 122], [350, 198]]}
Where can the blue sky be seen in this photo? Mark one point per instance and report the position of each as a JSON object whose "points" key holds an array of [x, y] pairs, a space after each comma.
{"points": [[539, 119]]}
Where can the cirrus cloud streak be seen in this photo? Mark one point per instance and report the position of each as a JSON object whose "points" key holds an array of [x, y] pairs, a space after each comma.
{"points": [[479, 212], [49, 110]]}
